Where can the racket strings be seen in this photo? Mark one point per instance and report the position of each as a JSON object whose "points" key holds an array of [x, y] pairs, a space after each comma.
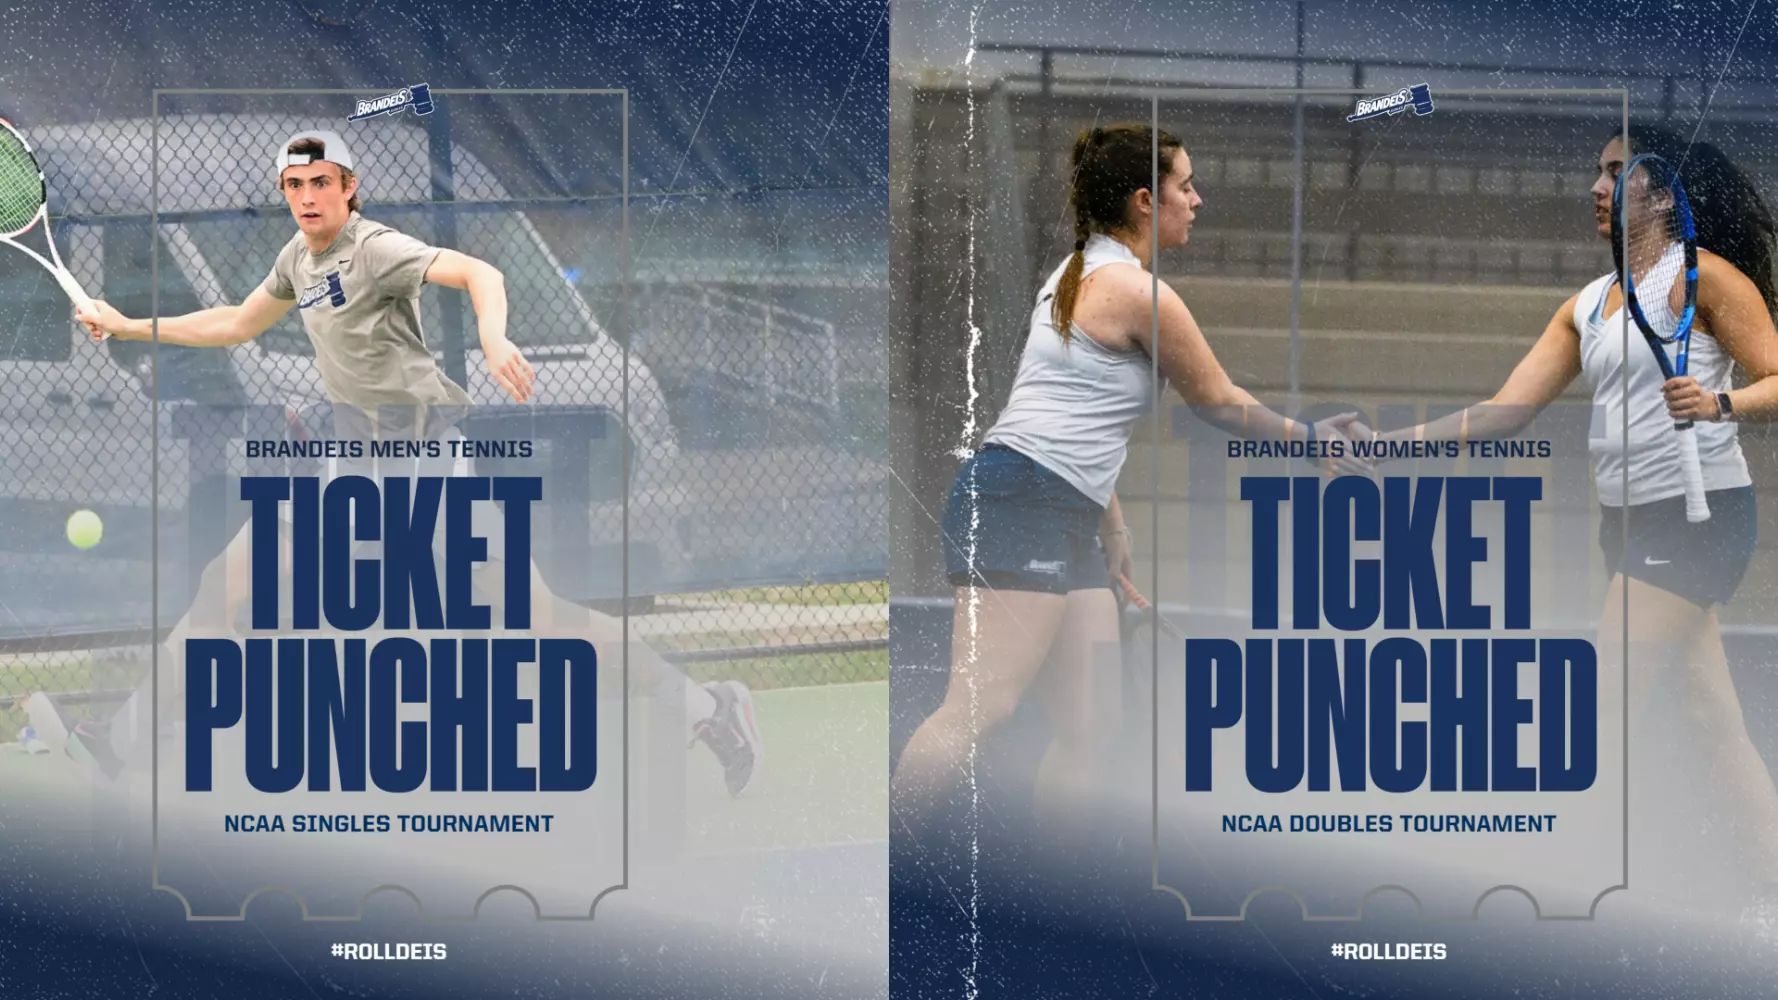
{"points": [[1657, 253], [1651, 218], [21, 185], [1654, 293]]}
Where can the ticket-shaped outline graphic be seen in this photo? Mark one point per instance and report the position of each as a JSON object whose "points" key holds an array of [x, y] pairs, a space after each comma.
{"points": [[623, 95]]}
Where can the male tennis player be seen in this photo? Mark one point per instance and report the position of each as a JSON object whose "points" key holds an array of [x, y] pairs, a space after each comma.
{"points": [[356, 284]]}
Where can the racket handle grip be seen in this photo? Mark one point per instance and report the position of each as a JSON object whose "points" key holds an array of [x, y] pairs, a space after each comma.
{"points": [[1132, 594], [77, 295], [1697, 509]]}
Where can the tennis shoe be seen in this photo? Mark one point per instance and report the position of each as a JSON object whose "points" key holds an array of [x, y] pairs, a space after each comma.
{"points": [[732, 735]]}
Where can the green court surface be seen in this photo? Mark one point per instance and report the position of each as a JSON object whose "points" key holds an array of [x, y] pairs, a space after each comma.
{"points": [[22, 773], [826, 780], [21, 675]]}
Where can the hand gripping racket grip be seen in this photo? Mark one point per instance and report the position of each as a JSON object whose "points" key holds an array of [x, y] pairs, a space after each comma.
{"points": [[76, 294]]}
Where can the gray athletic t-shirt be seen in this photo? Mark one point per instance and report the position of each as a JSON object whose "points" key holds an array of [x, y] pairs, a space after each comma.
{"points": [[360, 303]]}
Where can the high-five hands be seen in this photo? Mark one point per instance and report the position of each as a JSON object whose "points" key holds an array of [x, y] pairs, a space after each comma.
{"points": [[1348, 428]]}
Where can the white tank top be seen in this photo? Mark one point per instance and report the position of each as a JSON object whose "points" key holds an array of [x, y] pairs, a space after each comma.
{"points": [[1073, 404], [1653, 451]]}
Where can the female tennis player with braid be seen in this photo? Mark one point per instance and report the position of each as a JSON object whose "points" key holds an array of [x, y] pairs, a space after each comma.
{"points": [[1674, 572], [1032, 529]]}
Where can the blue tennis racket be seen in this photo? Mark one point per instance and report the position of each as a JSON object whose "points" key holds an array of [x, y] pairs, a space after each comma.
{"points": [[1656, 249]]}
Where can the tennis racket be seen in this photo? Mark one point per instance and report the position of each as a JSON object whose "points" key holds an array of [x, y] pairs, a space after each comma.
{"points": [[24, 202], [1649, 212], [1140, 626], [1146, 613]]}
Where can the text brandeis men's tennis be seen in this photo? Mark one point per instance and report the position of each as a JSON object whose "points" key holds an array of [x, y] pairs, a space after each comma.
{"points": [[1419, 97], [418, 97]]}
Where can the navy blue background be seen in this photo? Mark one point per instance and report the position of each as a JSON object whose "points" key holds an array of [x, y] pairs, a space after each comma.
{"points": [[977, 909], [761, 78], [725, 95]]}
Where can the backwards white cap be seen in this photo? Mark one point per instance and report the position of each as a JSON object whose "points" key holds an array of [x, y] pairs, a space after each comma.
{"points": [[333, 150]]}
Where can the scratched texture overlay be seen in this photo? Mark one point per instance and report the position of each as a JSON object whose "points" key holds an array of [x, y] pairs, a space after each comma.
{"points": [[241, 752], [1399, 267], [686, 209], [1231, 555]]}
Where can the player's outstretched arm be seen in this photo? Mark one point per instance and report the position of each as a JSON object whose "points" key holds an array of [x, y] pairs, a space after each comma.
{"points": [[487, 295], [1546, 371], [217, 327], [1186, 360]]}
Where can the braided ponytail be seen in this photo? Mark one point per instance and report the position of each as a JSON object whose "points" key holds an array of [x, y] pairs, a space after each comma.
{"points": [[1109, 165], [1068, 289]]}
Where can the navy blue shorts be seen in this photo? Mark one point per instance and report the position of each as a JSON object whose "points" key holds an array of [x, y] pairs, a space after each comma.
{"points": [[1012, 524], [1703, 563]]}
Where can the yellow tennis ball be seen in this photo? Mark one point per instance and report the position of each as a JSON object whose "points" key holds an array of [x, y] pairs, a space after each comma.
{"points": [[84, 529]]}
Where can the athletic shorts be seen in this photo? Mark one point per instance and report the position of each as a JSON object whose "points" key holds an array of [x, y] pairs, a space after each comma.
{"points": [[1703, 563], [1012, 524]]}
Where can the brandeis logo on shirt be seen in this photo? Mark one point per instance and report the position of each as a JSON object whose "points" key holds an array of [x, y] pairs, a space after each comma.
{"points": [[328, 288]]}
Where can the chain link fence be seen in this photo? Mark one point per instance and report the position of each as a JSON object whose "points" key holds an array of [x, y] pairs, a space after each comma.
{"points": [[727, 345]]}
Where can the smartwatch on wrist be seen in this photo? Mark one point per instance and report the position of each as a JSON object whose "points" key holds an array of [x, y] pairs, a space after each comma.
{"points": [[1725, 409]]}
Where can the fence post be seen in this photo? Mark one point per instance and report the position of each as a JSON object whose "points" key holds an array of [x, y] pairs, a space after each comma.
{"points": [[1297, 158], [771, 355], [833, 370], [444, 193], [1354, 164]]}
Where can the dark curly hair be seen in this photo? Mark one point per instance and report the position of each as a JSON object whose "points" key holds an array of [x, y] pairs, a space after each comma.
{"points": [[1731, 218]]}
